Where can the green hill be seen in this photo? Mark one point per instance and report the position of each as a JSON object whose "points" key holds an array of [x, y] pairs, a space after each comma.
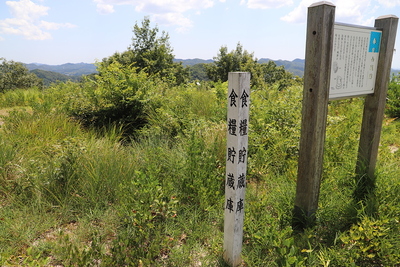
{"points": [[296, 66], [70, 69], [194, 61], [196, 65], [50, 77]]}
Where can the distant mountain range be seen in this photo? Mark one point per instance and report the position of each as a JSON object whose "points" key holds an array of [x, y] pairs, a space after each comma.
{"points": [[50, 77], [194, 61], [69, 69], [61, 73], [296, 66], [73, 71]]}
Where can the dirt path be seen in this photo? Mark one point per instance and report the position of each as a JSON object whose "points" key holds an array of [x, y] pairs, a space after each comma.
{"points": [[3, 112]]}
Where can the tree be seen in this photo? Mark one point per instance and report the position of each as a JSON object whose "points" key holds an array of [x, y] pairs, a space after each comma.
{"points": [[241, 60], [150, 53], [226, 62], [14, 75], [198, 72]]}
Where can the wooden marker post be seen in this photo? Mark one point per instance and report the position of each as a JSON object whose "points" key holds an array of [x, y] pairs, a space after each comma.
{"points": [[236, 164], [374, 106], [320, 26]]}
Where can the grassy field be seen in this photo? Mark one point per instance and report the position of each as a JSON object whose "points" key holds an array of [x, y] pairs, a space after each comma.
{"points": [[78, 196]]}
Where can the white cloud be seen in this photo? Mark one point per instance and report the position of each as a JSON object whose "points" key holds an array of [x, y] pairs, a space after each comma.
{"points": [[264, 4], [27, 10], [26, 21], [299, 14], [357, 12], [389, 3], [176, 19], [55, 26], [22, 27], [105, 8], [158, 6], [168, 12], [172, 6]]}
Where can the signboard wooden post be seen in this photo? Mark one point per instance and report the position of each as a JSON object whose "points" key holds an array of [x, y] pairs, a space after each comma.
{"points": [[236, 164], [320, 24], [374, 106], [342, 61]]}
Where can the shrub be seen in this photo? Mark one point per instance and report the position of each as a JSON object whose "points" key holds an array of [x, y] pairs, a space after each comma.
{"points": [[393, 98], [117, 96]]}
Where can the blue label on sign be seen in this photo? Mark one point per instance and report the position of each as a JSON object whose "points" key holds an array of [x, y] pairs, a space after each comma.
{"points": [[374, 42]]}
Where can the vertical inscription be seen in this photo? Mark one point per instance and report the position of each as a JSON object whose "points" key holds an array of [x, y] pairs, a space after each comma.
{"points": [[236, 164]]}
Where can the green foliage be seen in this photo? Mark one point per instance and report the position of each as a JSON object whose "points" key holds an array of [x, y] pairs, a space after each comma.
{"points": [[117, 96], [191, 104], [368, 243], [295, 66], [14, 75], [78, 196], [240, 60], [151, 54], [393, 98], [275, 122], [226, 62], [21, 97], [50, 77], [30, 259], [198, 72]]}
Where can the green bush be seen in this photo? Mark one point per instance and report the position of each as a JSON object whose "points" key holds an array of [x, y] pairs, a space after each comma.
{"points": [[274, 135], [368, 243], [117, 96], [393, 98]]}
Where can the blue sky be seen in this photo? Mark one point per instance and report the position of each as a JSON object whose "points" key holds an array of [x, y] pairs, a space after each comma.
{"points": [[61, 31]]}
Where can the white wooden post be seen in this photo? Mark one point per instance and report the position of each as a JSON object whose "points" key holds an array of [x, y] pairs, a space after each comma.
{"points": [[236, 164]]}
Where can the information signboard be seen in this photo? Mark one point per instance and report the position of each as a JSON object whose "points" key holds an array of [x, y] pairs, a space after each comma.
{"points": [[354, 61]]}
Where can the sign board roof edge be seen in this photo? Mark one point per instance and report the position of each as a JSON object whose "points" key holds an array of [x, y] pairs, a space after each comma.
{"points": [[357, 26], [322, 3], [387, 16]]}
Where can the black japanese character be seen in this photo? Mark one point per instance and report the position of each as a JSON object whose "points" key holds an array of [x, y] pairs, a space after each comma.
{"points": [[229, 204], [244, 99], [242, 155], [240, 205], [230, 181], [231, 154], [241, 181], [243, 127], [232, 126], [233, 97]]}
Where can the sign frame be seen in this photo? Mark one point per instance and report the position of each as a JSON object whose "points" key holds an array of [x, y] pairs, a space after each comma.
{"points": [[319, 43], [355, 54]]}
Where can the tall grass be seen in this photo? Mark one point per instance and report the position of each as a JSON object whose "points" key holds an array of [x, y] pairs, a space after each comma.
{"points": [[76, 196]]}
